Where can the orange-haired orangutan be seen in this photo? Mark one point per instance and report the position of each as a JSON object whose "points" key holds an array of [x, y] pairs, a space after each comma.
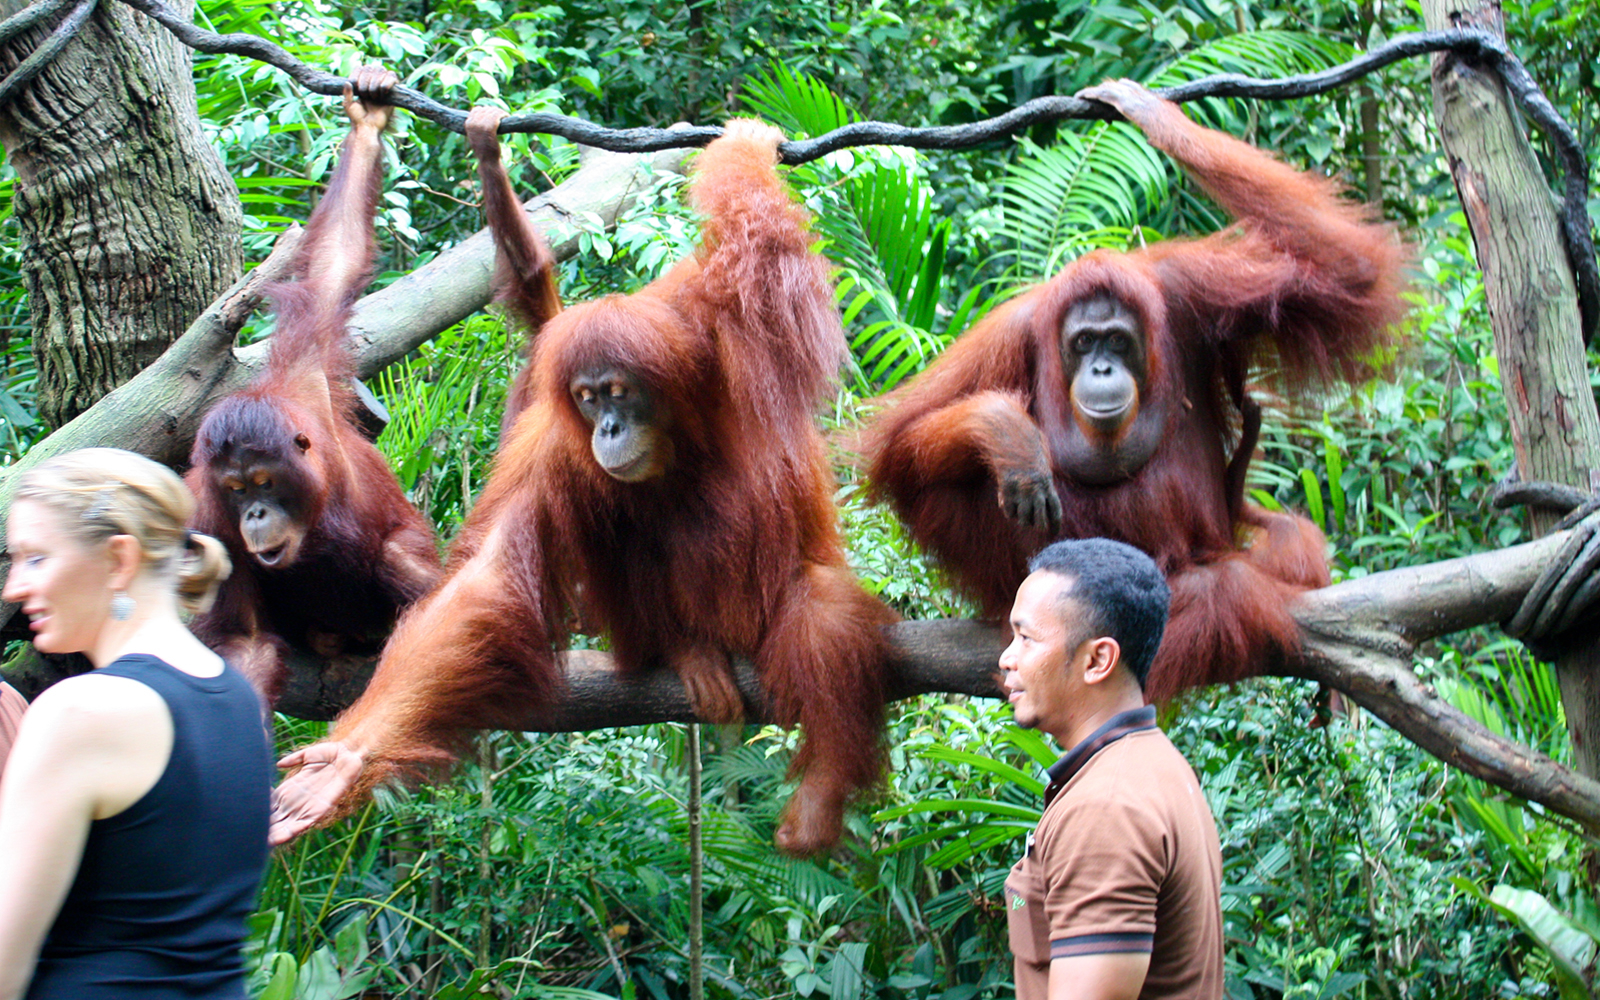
{"points": [[326, 550], [666, 476], [1104, 402]]}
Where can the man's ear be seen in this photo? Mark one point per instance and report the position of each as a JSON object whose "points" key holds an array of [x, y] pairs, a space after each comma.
{"points": [[1104, 655]]}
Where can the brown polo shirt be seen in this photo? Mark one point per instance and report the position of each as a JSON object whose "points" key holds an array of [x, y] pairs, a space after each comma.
{"points": [[1125, 858]]}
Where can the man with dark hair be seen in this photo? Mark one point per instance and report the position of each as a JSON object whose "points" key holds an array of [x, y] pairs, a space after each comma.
{"points": [[1118, 894]]}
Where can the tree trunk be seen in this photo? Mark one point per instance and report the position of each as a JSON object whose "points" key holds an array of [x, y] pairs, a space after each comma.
{"points": [[1367, 108], [129, 224], [1533, 307]]}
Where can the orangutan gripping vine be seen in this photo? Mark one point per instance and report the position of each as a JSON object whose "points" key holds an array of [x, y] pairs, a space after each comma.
{"points": [[1103, 403], [666, 476], [325, 547]]}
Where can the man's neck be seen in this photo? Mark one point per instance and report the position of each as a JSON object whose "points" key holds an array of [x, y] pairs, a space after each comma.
{"points": [[1081, 726]]}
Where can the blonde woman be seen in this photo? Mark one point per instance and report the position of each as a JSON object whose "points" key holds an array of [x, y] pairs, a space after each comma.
{"points": [[133, 809]]}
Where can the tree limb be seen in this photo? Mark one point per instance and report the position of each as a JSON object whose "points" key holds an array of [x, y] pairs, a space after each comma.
{"points": [[1359, 637]]}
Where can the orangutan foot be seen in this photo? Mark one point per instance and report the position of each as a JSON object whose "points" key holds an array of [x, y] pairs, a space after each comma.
{"points": [[707, 675], [812, 821]]}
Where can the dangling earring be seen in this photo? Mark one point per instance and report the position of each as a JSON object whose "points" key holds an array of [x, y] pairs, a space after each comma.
{"points": [[121, 606]]}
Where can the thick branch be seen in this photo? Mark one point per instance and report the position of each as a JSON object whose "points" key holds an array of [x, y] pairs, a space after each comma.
{"points": [[958, 657], [1359, 638]]}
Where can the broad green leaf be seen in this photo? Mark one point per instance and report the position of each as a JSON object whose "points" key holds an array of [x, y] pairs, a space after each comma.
{"points": [[1568, 944]]}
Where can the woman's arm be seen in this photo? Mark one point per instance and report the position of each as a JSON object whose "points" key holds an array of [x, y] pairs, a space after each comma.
{"points": [[12, 706], [88, 748]]}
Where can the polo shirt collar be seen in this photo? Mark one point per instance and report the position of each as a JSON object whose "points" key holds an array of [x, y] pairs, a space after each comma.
{"points": [[1132, 721]]}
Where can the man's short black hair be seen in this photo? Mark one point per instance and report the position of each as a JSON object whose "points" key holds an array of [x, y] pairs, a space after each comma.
{"points": [[1125, 594]]}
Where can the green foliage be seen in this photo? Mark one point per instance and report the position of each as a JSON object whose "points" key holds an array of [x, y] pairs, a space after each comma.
{"points": [[1570, 945], [19, 426], [878, 219], [1514, 695], [1396, 472], [1081, 194], [795, 102], [1557, 41], [1100, 184], [444, 407], [331, 972], [644, 63], [279, 142], [892, 253], [1336, 846]]}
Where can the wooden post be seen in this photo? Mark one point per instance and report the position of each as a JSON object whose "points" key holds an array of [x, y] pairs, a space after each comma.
{"points": [[697, 859]]}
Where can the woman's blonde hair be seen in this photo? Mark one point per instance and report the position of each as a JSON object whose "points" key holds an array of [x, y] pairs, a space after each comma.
{"points": [[100, 492]]}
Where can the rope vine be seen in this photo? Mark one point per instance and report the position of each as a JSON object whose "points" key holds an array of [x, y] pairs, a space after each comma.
{"points": [[1476, 47]]}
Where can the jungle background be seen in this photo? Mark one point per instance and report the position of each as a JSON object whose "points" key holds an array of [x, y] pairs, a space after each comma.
{"points": [[556, 865]]}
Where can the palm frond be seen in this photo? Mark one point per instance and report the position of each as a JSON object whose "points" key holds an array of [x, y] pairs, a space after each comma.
{"points": [[879, 226], [418, 409], [799, 104], [876, 215], [1264, 54], [1060, 202], [1267, 54]]}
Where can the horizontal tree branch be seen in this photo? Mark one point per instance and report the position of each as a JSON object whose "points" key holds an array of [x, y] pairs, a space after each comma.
{"points": [[1359, 637]]}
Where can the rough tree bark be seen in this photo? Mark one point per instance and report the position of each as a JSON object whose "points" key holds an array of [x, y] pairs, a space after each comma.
{"points": [[129, 224], [1533, 307]]}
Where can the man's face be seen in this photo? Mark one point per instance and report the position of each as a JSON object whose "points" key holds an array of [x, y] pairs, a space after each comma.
{"points": [[1045, 662]]}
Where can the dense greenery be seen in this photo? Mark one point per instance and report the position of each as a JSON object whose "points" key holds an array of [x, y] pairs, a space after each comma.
{"points": [[555, 865]]}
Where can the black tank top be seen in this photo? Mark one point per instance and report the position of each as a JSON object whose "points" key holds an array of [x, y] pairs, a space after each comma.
{"points": [[160, 899]]}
